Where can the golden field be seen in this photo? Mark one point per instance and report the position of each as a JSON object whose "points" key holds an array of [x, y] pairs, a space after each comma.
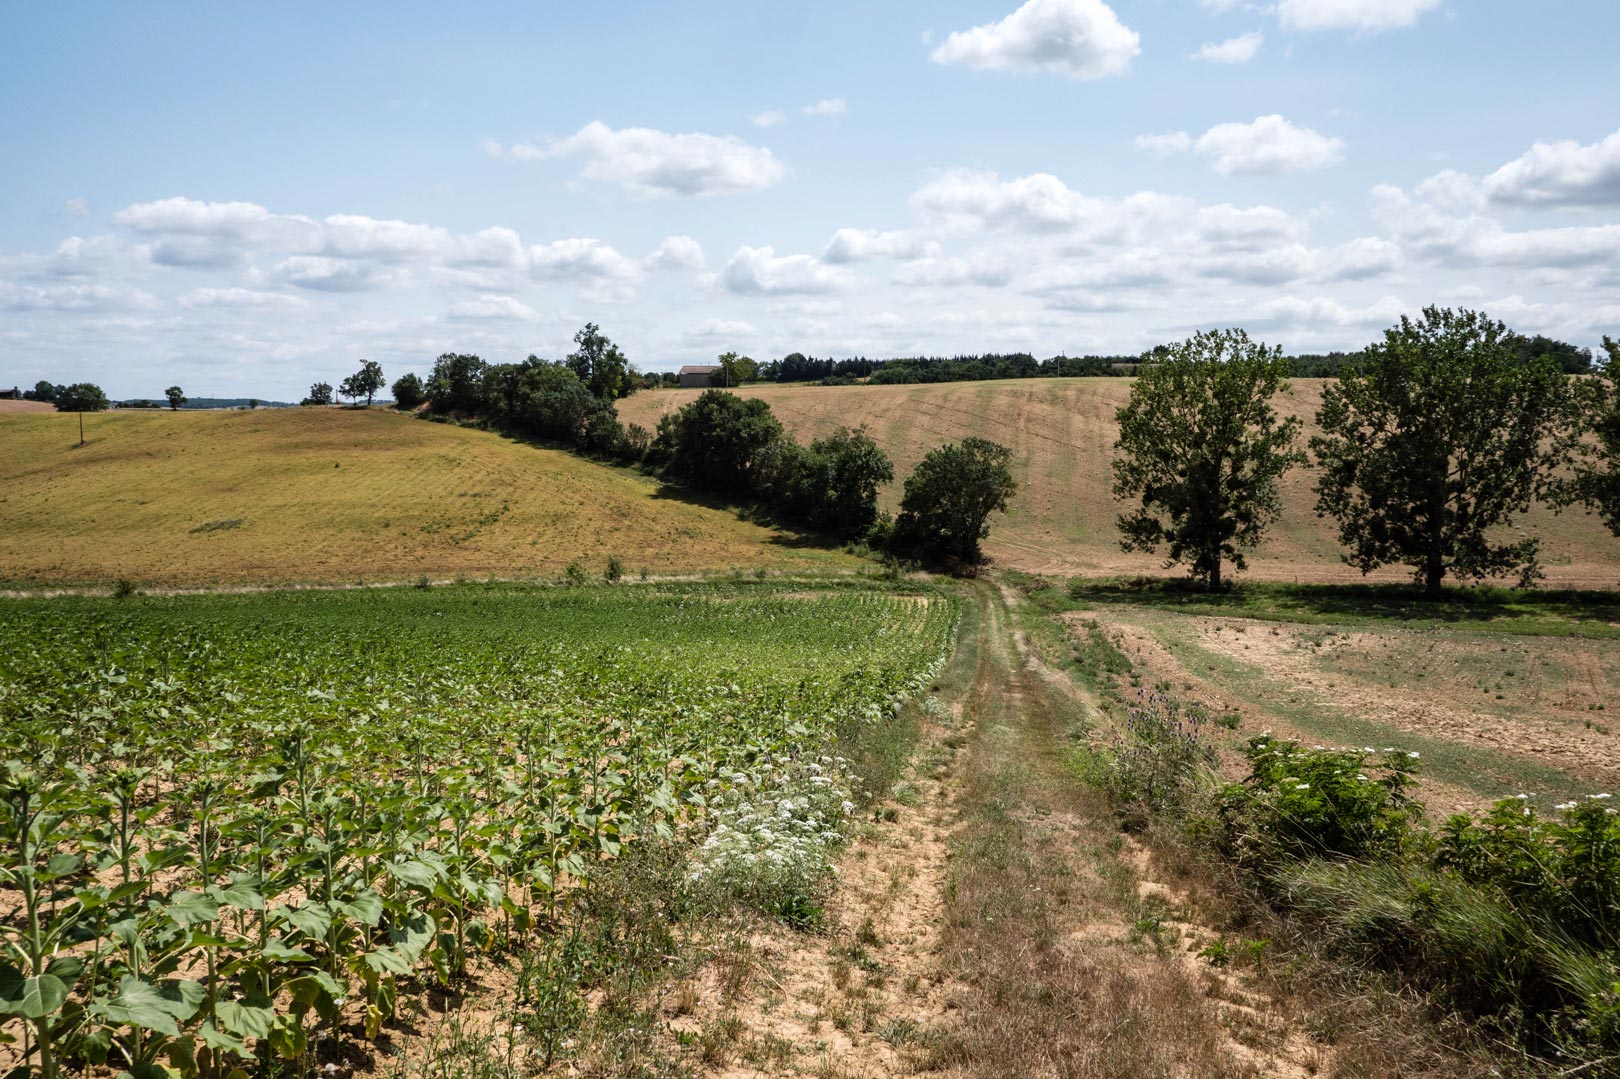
{"points": [[182, 499]]}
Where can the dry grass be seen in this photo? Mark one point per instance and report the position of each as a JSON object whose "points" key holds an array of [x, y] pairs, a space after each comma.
{"points": [[1062, 432], [334, 495]]}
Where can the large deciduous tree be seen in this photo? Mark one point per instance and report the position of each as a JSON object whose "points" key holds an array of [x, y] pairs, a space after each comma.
{"points": [[81, 397], [457, 382], [735, 369], [408, 390], [949, 498], [1444, 433], [320, 393], [176, 396], [832, 484], [600, 365], [364, 382], [1201, 447], [1597, 467], [720, 441]]}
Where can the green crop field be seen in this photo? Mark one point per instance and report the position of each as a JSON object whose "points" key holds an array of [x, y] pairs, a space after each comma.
{"points": [[239, 828]]}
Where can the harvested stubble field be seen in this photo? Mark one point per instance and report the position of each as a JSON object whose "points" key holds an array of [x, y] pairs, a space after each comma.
{"points": [[1500, 699], [205, 498], [1061, 432]]}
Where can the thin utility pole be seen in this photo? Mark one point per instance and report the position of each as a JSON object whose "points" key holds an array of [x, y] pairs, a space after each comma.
{"points": [[81, 427]]}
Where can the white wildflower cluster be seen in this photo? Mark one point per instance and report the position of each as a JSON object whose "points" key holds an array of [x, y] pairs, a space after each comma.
{"points": [[1565, 807], [775, 833]]}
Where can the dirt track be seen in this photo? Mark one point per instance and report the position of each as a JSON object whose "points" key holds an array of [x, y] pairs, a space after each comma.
{"points": [[993, 928]]}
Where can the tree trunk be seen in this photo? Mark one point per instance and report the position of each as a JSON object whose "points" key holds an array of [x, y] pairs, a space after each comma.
{"points": [[1215, 574], [1434, 571]]}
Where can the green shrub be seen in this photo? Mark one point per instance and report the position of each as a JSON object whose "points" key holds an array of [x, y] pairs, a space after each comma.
{"points": [[1563, 868], [1162, 755], [1304, 803]]}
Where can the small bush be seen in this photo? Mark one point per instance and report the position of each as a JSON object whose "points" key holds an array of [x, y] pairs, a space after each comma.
{"points": [[1163, 754], [575, 575], [1301, 803], [614, 572], [123, 588]]}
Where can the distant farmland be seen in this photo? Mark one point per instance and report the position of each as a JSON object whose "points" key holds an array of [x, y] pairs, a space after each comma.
{"points": [[320, 495], [1061, 432]]}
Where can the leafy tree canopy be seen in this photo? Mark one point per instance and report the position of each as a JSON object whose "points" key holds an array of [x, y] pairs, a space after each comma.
{"points": [[949, 499], [1441, 437], [176, 396], [1201, 447], [719, 442], [600, 365], [81, 397]]}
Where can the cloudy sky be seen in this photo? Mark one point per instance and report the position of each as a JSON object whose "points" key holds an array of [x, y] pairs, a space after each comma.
{"points": [[246, 201]]}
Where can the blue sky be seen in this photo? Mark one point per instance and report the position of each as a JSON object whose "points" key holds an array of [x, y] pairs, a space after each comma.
{"points": [[244, 202]]}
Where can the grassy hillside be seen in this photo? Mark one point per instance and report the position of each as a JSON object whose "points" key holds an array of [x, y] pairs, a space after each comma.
{"points": [[193, 498], [1062, 432]]}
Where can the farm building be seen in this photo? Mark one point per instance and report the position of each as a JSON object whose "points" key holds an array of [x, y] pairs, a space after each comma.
{"points": [[698, 375]]}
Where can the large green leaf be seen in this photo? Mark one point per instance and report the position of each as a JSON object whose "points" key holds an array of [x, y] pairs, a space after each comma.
{"points": [[251, 1017], [218, 1040], [187, 909], [387, 961], [311, 919], [31, 998], [150, 1007], [237, 894], [367, 908], [413, 874]]}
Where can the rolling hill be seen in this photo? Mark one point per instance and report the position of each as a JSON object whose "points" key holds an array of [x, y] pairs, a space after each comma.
{"points": [[328, 495], [1061, 432]]}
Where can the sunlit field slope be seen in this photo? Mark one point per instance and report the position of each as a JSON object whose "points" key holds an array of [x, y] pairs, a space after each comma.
{"points": [[327, 495], [1062, 432]]}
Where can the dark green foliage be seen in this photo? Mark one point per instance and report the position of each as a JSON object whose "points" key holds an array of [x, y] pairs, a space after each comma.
{"points": [[1571, 359], [176, 397], [408, 391], [543, 399], [949, 499], [1597, 469], [1441, 438], [42, 391], [1309, 803], [720, 442], [600, 365], [81, 397], [735, 370], [456, 383], [1202, 448], [319, 394], [832, 485], [364, 382]]}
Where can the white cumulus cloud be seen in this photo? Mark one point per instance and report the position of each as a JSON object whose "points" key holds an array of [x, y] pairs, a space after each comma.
{"points": [[1562, 173], [1082, 39], [857, 245], [762, 270], [827, 106], [767, 118], [649, 163], [494, 308], [1368, 16], [1269, 144], [1234, 50]]}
